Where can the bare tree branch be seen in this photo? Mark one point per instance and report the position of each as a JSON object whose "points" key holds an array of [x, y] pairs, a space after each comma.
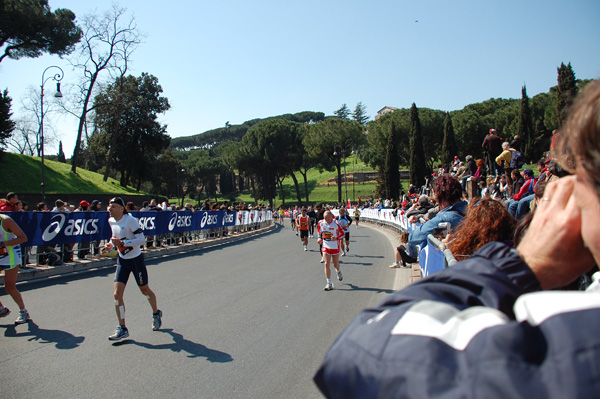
{"points": [[107, 45]]}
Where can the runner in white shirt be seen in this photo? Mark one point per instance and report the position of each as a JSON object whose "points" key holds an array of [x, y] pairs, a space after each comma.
{"points": [[345, 221], [330, 232], [128, 237]]}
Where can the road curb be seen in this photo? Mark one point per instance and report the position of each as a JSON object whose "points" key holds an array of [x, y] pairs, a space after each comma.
{"points": [[45, 272], [404, 276]]}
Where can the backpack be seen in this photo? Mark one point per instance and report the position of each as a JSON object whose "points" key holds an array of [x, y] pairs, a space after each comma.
{"points": [[516, 159]]}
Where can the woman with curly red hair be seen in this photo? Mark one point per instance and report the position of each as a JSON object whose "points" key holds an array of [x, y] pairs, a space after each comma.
{"points": [[486, 221]]}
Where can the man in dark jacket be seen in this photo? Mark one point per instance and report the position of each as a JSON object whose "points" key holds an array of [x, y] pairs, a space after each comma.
{"points": [[471, 170], [492, 147]]}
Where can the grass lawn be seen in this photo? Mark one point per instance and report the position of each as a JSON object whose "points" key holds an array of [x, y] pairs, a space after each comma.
{"points": [[22, 174]]}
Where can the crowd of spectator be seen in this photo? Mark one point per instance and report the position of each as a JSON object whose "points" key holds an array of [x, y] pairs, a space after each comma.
{"points": [[495, 324], [53, 255]]}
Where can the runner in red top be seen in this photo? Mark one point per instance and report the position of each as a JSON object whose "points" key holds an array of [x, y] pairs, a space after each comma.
{"points": [[330, 232], [303, 222]]}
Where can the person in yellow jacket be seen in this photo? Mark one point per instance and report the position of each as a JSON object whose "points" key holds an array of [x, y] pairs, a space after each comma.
{"points": [[503, 160]]}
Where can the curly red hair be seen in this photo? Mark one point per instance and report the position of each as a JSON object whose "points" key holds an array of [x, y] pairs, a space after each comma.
{"points": [[487, 220]]}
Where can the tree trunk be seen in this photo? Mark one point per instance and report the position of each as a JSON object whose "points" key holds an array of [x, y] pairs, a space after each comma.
{"points": [[339, 180], [281, 193], [297, 188], [113, 144], [82, 119], [304, 175]]}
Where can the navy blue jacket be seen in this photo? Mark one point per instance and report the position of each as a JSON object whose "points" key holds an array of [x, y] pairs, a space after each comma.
{"points": [[479, 329]]}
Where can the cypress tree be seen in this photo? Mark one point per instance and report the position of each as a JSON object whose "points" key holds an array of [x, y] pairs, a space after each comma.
{"points": [[567, 90], [6, 124], [449, 146], [61, 153], [418, 169], [392, 164], [526, 131]]}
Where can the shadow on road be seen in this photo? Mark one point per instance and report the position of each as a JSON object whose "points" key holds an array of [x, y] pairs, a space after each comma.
{"points": [[378, 290], [61, 339], [367, 256], [181, 344]]}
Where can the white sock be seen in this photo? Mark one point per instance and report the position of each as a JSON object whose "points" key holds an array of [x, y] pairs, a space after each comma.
{"points": [[328, 281]]}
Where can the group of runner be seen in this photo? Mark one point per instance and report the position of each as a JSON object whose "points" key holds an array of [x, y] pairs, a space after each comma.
{"points": [[333, 234], [127, 237]]}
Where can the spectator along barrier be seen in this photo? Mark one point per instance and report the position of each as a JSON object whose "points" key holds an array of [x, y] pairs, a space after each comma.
{"points": [[432, 258]]}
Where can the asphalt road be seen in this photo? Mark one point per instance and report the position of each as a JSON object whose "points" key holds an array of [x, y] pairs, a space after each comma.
{"points": [[249, 320]]}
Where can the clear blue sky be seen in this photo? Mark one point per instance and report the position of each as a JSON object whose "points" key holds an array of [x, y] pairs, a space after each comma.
{"points": [[239, 60]]}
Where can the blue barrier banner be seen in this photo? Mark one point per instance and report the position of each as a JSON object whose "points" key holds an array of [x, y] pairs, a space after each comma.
{"points": [[435, 259], [51, 228]]}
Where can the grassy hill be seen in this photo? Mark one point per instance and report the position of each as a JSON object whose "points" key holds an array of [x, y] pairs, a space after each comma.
{"points": [[22, 174]]}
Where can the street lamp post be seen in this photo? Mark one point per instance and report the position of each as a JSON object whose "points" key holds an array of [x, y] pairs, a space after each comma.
{"points": [[343, 149], [354, 177], [56, 77], [182, 190]]}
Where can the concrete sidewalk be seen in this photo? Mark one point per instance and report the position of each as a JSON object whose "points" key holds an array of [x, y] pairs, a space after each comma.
{"points": [[96, 263]]}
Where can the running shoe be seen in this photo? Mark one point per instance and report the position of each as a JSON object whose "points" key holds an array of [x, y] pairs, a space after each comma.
{"points": [[4, 312], [347, 248], [306, 249], [157, 320], [394, 265], [321, 261], [340, 277], [23, 317], [343, 253], [328, 287], [120, 333]]}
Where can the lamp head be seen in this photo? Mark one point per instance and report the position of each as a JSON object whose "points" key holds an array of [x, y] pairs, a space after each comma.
{"points": [[58, 94]]}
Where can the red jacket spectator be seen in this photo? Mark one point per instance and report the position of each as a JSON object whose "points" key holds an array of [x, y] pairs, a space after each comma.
{"points": [[527, 187], [9, 204]]}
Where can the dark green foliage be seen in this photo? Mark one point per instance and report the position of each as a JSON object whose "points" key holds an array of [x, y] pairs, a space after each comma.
{"points": [[28, 28], [567, 90], [392, 165], [226, 183], [6, 124], [526, 131], [418, 169], [449, 146], [234, 133], [375, 152], [265, 152], [472, 123], [127, 111], [343, 112], [330, 140]]}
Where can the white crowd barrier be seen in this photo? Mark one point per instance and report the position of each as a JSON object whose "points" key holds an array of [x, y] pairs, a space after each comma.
{"points": [[433, 257]]}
